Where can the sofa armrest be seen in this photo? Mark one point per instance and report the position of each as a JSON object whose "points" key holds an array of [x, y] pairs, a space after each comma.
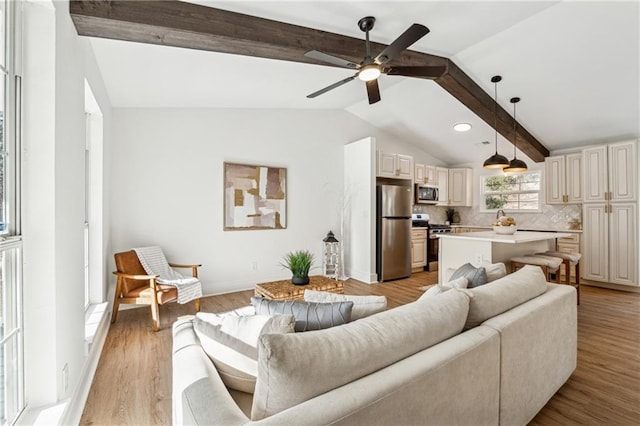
{"points": [[538, 351], [199, 395]]}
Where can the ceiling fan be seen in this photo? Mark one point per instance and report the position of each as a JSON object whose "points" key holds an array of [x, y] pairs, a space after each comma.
{"points": [[370, 68]]}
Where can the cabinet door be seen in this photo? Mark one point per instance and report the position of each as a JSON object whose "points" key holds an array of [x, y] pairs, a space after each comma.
{"points": [[430, 174], [418, 252], [459, 187], [623, 171], [419, 175], [596, 242], [386, 164], [595, 174], [442, 177], [623, 255], [574, 178], [555, 179], [404, 166]]}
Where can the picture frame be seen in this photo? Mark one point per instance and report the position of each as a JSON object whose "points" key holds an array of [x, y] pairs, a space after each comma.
{"points": [[255, 197]]}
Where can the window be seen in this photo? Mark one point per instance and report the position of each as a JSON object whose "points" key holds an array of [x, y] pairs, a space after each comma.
{"points": [[518, 192], [11, 328]]}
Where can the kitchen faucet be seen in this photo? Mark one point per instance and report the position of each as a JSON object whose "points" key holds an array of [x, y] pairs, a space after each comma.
{"points": [[498, 214]]}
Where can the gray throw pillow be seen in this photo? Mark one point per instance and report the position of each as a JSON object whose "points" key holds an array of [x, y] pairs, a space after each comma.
{"points": [[475, 276], [308, 315]]}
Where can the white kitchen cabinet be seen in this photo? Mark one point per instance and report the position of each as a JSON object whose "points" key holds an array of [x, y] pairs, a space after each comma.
{"points": [[564, 179], [460, 187], [611, 172], [397, 166], [424, 174], [610, 213], [418, 248], [623, 171], [419, 175], [610, 250], [442, 179]]}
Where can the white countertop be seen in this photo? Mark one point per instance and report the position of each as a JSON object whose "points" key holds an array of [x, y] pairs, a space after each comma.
{"points": [[532, 229], [518, 237]]}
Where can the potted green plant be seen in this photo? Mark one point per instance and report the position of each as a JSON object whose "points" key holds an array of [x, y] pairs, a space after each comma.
{"points": [[299, 263]]}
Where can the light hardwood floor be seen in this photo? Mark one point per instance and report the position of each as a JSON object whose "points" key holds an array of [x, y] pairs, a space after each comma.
{"points": [[132, 384]]}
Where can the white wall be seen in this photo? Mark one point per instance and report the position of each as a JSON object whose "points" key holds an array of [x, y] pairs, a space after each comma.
{"points": [[167, 185], [55, 67]]}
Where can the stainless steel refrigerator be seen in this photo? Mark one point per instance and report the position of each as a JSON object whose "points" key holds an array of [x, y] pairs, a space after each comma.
{"points": [[393, 232]]}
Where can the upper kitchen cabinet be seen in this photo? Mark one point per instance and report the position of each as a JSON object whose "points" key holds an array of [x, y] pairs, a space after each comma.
{"points": [[442, 178], [564, 179], [397, 166], [424, 174], [460, 187], [610, 172]]}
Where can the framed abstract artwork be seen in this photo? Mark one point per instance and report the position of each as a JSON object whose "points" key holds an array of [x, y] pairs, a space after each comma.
{"points": [[255, 197]]}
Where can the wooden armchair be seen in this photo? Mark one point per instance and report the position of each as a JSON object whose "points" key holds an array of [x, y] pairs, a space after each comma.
{"points": [[134, 286]]}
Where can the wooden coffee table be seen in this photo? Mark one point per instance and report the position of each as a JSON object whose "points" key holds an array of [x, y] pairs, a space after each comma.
{"points": [[285, 290]]}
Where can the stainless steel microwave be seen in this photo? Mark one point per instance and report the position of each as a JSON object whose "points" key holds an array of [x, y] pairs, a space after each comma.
{"points": [[426, 194]]}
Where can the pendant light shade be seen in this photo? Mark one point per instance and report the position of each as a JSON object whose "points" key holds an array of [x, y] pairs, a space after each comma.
{"points": [[496, 161], [515, 165]]}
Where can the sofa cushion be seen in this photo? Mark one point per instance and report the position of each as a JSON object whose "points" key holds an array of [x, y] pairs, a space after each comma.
{"points": [[461, 282], [309, 316], [503, 294], [363, 306], [293, 368], [476, 276], [231, 344]]}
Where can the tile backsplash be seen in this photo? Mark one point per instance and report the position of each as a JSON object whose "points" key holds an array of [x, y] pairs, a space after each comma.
{"points": [[551, 217]]}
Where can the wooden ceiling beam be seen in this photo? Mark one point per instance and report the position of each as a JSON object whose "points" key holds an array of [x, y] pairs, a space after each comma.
{"points": [[192, 26]]}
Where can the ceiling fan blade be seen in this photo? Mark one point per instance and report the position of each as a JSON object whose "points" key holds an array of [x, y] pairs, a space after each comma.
{"points": [[430, 72], [414, 33], [324, 57], [373, 91], [331, 87]]}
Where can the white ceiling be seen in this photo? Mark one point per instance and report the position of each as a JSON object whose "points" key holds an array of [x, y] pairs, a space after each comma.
{"points": [[576, 66]]}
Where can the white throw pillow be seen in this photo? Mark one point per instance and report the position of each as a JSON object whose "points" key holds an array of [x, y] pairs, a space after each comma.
{"points": [[231, 344], [494, 270], [461, 282], [363, 306]]}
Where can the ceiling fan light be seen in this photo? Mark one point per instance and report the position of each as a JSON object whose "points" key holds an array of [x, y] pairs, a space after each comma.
{"points": [[496, 161], [369, 72], [516, 165]]}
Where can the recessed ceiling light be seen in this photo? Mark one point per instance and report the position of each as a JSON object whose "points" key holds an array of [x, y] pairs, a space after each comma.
{"points": [[462, 127]]}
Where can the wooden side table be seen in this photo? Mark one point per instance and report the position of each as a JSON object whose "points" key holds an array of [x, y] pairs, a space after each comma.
{"points": [[285, 290]]}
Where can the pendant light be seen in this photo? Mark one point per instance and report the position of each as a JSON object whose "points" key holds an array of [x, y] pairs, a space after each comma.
{"points": [[496, 161], [515, 165]]}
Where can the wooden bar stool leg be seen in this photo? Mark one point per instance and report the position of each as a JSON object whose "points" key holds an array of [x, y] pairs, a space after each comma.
{"points": [[578, 280]]}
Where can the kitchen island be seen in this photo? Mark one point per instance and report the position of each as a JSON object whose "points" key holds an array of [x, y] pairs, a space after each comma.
{"points": [[477, 247]]}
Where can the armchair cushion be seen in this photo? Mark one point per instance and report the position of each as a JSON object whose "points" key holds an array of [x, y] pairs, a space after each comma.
{"points": [[166, 293]]}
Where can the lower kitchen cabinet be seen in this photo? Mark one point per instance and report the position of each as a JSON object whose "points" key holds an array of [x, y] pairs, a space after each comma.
{"points": [[610, 243], [418, 248]]}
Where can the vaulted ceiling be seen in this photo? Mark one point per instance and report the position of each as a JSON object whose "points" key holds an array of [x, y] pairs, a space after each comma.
{"points": [[574, 64]]}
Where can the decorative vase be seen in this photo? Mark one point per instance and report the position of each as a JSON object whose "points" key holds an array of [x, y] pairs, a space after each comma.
{"points": [[300, 280]]}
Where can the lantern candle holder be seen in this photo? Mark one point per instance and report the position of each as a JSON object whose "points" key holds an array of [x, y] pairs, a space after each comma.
{"points": [[331, 256]]}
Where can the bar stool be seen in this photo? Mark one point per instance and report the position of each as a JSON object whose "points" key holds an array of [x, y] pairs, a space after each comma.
{"points": [[569, 259], [548, 264]]}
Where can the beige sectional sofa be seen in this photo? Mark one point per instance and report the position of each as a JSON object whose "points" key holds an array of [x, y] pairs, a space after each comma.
{"points": [[490, 355]]}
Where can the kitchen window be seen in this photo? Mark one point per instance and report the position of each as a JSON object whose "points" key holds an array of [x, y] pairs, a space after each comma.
{"points": [[520, 192]]}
